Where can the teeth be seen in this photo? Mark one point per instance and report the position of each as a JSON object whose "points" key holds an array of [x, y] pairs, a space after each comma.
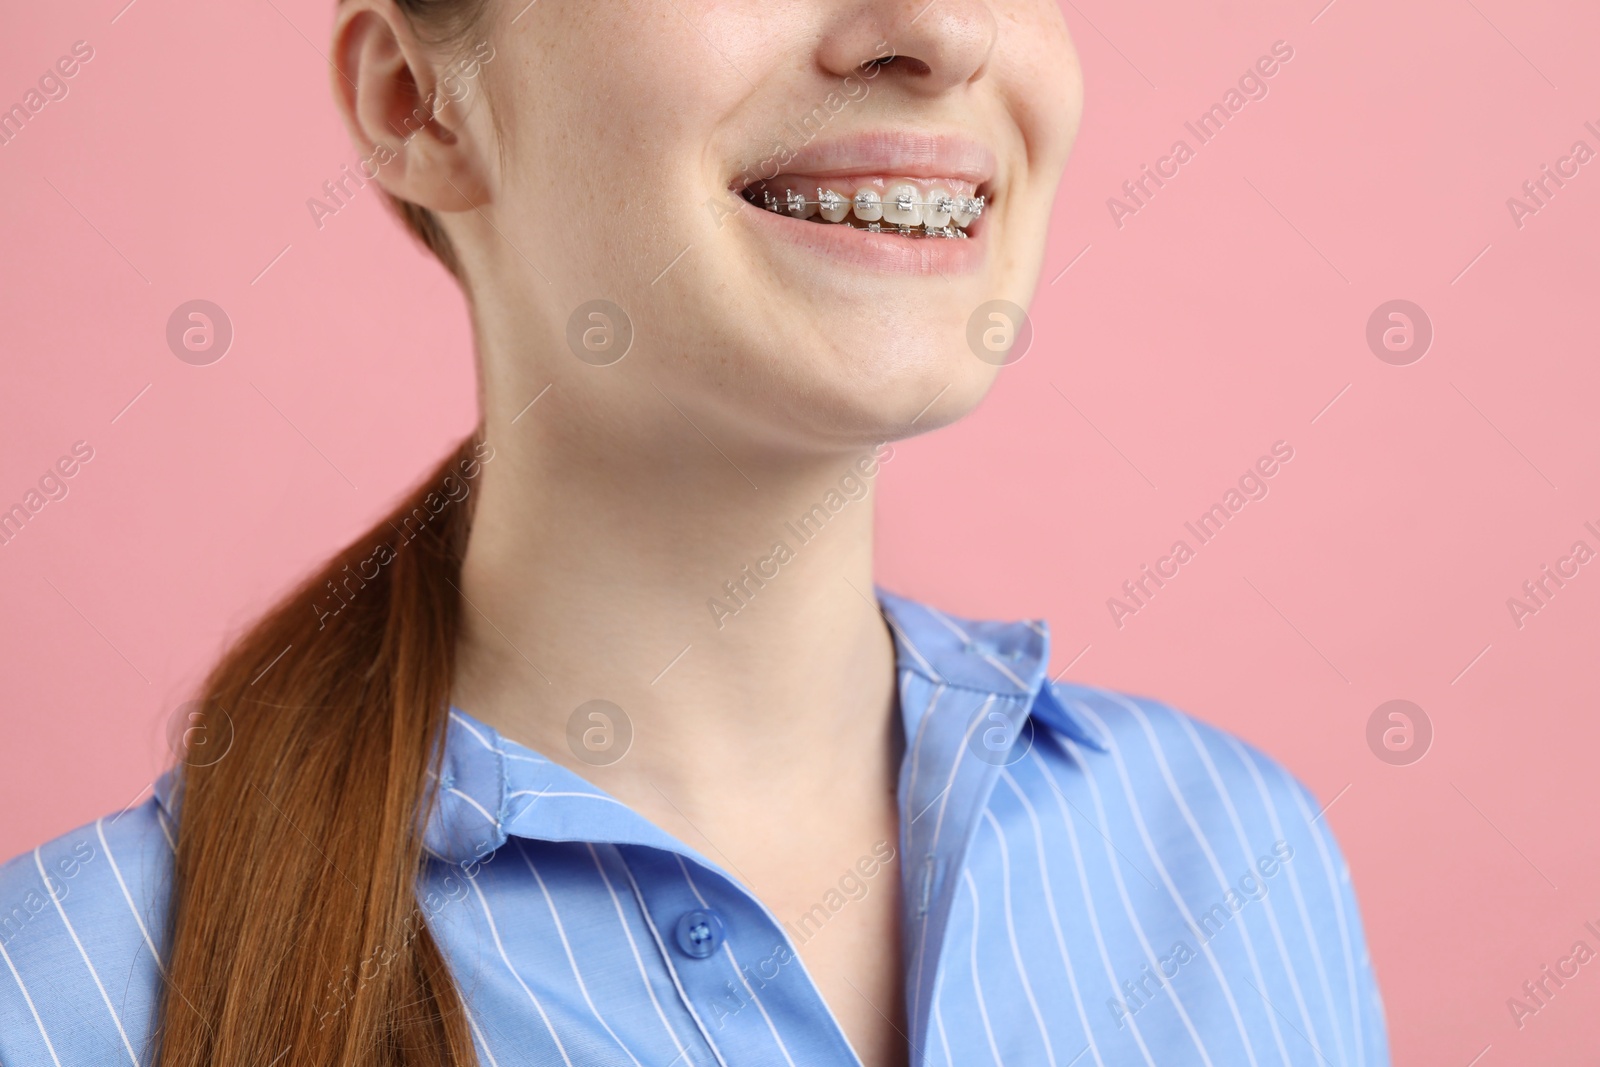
{"points": [[902, 205], [868, 207], [902, 208], [832, 206]]}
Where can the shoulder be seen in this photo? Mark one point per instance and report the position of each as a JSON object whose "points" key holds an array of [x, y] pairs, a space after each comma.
{"points": [[81, 925], [1209, 809], [1222, 835], [1207, 812], [1203, 775]]}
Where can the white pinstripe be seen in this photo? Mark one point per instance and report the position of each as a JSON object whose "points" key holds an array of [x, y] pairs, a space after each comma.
{"points": [[739, 970], [500, 947], [1300, 903], [561, 931], [478, 1033], [922, 736], [1127, 902], [453, 791], [944, 1039], [911, 647], [1344, 929], [161, 820], [977, 985], [1211, 856], [1266, 899], [99, 826], [544, 793], [1050, 907], [938, 829], [1172, 890], [627, 932], [1011, 935], [1083, 885], [473, 730], [666, 956], [948, 623], [39, 863], [43, 1033]]}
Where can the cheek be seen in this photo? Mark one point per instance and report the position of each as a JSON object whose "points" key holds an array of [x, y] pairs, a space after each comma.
{"points": [[1037, 67]]}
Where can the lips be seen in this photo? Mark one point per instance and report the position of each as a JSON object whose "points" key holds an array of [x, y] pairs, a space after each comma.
{"points": [[902, 154], [860, 196]]}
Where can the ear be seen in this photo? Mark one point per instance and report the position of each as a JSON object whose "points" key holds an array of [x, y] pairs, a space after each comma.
{"points": [[407, 109]]}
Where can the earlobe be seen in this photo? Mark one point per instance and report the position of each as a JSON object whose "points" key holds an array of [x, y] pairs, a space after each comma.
{"points": [[400, 104]]}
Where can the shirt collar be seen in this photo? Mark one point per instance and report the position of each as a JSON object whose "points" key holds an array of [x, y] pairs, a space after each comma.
{"points": [[1004, 658], [490, 787]]}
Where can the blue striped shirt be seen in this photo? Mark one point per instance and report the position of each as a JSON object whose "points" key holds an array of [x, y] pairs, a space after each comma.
{"points": [[1087, 878]]}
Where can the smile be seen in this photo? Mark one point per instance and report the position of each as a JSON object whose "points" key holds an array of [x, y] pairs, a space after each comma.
{"points": [[904, 208]]}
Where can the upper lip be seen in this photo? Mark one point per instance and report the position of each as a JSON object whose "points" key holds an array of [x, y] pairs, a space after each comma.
{"points": [[901, 153]]}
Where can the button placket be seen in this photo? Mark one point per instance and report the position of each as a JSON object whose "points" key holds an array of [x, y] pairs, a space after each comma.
{"points": [[733, 967]]}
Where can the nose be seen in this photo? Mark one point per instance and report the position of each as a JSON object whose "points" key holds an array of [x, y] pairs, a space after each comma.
{"points": [[926, 46]]}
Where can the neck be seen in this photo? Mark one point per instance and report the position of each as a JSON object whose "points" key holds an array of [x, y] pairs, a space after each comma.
{"points": [[723, 600]]}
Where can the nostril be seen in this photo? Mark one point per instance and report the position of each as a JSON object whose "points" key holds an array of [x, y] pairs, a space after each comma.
{"points": [[905, 64]]}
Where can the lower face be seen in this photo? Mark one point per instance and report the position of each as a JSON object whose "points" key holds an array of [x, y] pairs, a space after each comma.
{"points": [[800, 242]]}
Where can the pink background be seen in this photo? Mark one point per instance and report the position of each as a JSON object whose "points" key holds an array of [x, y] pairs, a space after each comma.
{"points": [[1223, 316]]}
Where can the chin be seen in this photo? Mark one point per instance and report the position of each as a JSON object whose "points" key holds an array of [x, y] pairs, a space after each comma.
{"points": [[886, 392]]}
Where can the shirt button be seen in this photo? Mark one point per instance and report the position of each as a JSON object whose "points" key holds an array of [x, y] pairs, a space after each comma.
{"points": [[699, 933]]}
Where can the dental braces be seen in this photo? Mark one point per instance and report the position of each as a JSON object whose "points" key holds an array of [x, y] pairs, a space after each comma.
{"points": [[796, 205]]}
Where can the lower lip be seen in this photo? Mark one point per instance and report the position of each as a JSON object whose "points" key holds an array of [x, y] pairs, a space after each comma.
{"points": [[880, 253]]}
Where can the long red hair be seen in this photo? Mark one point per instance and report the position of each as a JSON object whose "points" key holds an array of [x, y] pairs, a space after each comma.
{"points": [[294, 928]]}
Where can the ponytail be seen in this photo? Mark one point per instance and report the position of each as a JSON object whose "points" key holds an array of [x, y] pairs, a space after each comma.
{"points": [[294, 929]]}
